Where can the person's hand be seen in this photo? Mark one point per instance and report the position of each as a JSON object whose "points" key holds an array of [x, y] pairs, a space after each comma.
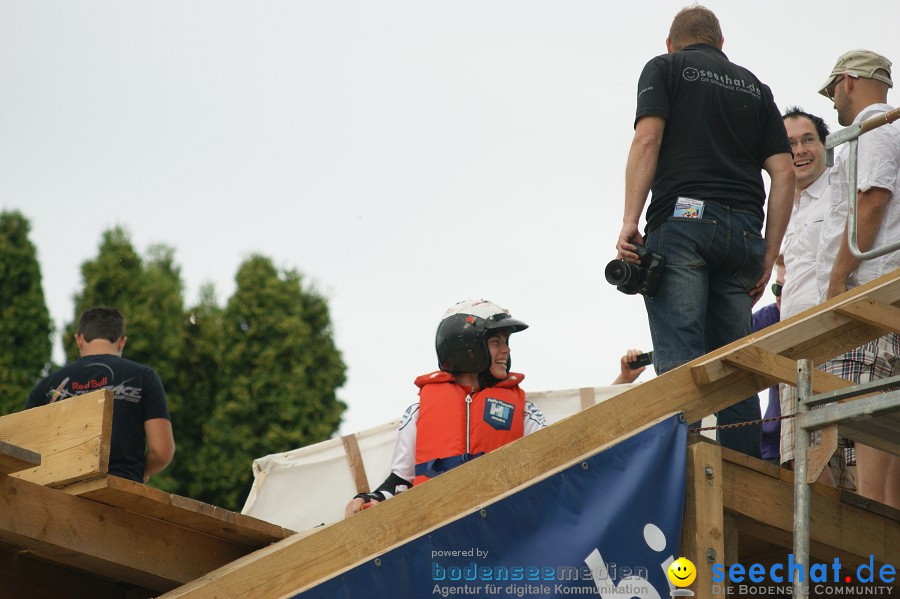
{"points": [[629, 236], [358, 504], [835, 288], [626, 374], [760, 286]]}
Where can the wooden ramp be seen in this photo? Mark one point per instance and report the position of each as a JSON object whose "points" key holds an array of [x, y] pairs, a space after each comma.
{"points": [[67, 529], [706, 385]]}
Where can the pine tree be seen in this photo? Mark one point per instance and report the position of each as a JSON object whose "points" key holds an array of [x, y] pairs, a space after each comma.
{"points": [[25, 326], [280, 371]]}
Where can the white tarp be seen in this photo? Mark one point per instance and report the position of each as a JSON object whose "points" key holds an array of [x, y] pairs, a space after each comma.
{"points": [[310, 486]]}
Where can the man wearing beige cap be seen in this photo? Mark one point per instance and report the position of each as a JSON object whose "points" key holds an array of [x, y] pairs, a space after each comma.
{"points": [[858, 85]]}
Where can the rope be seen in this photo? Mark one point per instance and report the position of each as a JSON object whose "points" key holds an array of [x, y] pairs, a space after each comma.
{"points": [[739, 424]]}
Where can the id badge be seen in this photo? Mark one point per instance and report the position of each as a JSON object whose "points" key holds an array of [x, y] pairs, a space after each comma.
{"points": [[688, 208]]}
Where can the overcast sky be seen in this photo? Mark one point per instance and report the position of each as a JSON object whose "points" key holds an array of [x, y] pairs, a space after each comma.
{"points": [[403, 155]]}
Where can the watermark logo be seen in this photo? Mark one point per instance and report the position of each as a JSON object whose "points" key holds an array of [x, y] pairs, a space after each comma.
{"points": [[682, 573]]}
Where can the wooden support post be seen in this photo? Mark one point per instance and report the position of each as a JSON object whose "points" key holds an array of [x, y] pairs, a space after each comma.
{"points": [[703, 540], [355, 461]]}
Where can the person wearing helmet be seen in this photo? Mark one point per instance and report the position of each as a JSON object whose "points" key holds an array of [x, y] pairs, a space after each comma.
{"points": [[472, 405]]}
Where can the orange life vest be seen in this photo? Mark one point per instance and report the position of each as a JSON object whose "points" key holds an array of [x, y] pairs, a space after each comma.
{"points": [[495, 416]]}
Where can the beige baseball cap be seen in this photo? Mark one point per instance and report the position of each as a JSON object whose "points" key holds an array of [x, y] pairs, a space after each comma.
{"points": [[860, 63]]}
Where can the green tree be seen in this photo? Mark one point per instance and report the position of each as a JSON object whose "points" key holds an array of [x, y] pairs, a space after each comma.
{"points": [[25, 326], [280, 371], [197, 381]]}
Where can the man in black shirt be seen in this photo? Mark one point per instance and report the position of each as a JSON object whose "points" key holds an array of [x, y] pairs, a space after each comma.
{"points": [[704, 129], [140, 413]]}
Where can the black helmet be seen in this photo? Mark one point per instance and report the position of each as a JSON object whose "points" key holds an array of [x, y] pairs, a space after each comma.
{"points": [[461, 339]]}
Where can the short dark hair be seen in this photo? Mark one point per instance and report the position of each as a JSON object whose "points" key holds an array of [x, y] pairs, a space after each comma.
{"points": [[695, 25], [101, 322], [794, 112]]}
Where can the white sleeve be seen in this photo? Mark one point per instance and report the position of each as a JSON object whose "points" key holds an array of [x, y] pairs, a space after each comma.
{"points": [[534, 418], [403, 464]]}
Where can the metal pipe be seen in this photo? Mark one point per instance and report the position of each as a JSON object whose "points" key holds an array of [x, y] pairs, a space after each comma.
{"points": [[850, 411], [851, 135], [801, 487], [861, 389]]}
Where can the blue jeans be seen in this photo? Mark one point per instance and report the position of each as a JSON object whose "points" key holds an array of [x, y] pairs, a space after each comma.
{"points": [[703, 301]]}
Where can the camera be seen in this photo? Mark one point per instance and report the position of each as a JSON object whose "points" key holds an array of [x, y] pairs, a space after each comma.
{"points": [[633, 278]]}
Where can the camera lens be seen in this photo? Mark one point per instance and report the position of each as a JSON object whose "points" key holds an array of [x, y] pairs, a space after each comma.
{"points": [[619, 272]]}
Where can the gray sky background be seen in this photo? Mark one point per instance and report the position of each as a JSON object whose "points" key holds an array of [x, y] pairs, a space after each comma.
{"points": [[403, 155]]}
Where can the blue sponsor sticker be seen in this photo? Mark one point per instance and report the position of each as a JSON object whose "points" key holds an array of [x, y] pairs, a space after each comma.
{"points": [[498, 413]]}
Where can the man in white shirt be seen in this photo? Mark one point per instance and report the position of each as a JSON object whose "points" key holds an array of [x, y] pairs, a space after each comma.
{"points": [[806, 134], [858, 85]]}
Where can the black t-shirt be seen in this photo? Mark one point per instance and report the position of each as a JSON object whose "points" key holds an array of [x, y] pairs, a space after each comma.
{"points": [[139, 396], [721, 126]]}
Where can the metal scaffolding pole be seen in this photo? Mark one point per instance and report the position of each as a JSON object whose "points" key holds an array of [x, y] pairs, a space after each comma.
{"points": [[801, 487]]}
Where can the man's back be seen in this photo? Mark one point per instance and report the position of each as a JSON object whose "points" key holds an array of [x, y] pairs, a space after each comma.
{"points": [[139, 396], [721, 125]]}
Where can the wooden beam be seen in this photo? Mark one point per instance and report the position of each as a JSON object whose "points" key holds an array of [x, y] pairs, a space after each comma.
{"points": [[106, 540], [835, 525], [781, 369], [196, 515], [298, 563], [15, 459], [355, 461], [873, 312], [704, 525], [71, 435], [819, 334]]}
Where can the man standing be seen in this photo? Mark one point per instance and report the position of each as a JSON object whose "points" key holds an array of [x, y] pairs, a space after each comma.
{"points": [[858, 86], [806, 134], [704, 129], [140, 414]]}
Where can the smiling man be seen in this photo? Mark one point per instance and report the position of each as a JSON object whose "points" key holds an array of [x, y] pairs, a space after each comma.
{"points": [[806, 134]]}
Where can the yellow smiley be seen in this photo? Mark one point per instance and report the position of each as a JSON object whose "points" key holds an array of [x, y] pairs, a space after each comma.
{"points": [[682, 572]]}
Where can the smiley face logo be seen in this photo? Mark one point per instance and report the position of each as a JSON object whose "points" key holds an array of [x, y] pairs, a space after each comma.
{"points": [[690, 74], [682, 572]]}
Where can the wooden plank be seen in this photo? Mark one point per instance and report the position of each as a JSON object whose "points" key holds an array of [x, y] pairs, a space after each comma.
{"points": [[819, 333], [105, 540], [873, 312], [15, 459], [355, 461], [818, 456], [298, 563], [835, 525], [704, 525], [190, 513], [72, 437], [781, 369]]}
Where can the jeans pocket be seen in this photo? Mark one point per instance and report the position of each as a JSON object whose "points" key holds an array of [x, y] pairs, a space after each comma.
{"points": [[754, 260], [685, 241]]}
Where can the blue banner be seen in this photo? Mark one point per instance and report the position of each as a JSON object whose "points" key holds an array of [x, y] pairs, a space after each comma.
{"points": [[606, 527]]}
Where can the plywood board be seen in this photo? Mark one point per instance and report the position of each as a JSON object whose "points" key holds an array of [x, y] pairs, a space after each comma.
{"points": [[72, 437]]}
